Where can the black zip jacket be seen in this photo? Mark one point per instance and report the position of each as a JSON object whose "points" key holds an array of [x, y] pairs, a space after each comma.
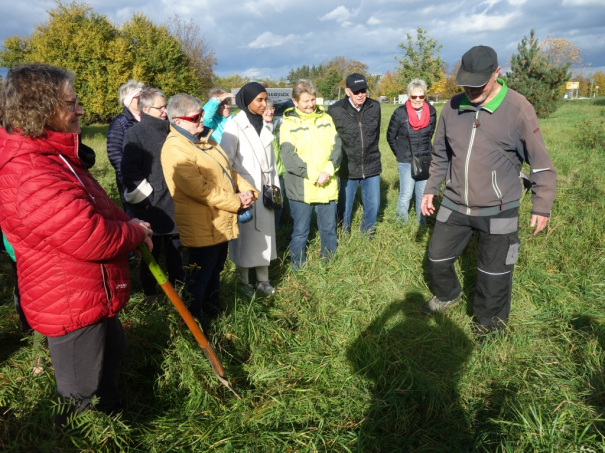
{"points": [[144, 183], [397, 135], [360, 133]]}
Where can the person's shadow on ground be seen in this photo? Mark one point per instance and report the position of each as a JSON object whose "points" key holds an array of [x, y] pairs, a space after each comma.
{"points": [[415, 365]]}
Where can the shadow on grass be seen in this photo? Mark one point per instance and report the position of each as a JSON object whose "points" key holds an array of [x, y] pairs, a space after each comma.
{"points": [[415, 364], [147, 338], [591, 326]]}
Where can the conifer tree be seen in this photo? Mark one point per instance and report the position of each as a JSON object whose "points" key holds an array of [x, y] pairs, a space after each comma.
{"points": [[535, 77]]}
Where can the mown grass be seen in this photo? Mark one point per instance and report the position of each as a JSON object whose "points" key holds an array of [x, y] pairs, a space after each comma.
{"points": [[343, 360]]}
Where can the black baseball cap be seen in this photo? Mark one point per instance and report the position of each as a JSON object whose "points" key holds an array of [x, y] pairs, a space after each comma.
{"points": [[477, 66], [356, 82]]}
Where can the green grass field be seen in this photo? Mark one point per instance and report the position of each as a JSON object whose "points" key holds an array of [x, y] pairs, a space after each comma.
{"points": [[342, 358]]}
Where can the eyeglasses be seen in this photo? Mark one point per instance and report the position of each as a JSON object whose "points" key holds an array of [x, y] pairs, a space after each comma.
{"points": [[193, 119], [71, 105], [163, 107], [270, 109], [362, 91], [417, 97]]}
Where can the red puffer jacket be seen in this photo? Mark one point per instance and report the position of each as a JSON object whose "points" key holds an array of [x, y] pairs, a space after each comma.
{"points": [[70, 239]]}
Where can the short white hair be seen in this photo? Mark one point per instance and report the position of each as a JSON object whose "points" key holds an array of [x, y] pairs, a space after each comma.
{"points": [[127, 88], [147, 97], [417, 84], [182, 105]]}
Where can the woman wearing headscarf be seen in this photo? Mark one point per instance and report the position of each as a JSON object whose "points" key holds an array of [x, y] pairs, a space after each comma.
{"points": [[249, 146]]}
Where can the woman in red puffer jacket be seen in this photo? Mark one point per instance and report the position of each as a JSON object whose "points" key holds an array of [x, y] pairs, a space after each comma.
{"points": [[70, 240]]}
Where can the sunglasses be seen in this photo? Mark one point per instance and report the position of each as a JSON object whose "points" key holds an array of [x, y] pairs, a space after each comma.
{"points": [[193, 119], [417, 97]]}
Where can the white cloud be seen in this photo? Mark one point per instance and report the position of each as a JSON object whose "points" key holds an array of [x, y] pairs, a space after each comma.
{"points": [[340, 14], [268, 39], [373, 21], [516, 2], [483, 22], [583, 2], [346, 24], [252, 72], [261, 7]]}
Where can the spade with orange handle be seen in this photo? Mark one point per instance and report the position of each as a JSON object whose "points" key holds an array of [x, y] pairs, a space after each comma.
{"points": [[161, 278]]}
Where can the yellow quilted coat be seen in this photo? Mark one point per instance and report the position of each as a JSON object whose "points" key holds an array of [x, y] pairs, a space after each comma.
{"points": [[205, 202]]}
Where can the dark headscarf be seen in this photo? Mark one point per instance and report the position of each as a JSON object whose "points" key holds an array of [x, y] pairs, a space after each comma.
{"points": [[245, 96]]}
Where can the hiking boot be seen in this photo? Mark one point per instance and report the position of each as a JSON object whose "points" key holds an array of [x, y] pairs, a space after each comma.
{"points": [[247, 289], [265, 288], [435, 305]]}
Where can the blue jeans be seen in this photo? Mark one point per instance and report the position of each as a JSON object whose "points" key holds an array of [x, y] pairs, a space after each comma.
{"points": [[370, 199], [301, 217], [204, 277], [407, 187]]}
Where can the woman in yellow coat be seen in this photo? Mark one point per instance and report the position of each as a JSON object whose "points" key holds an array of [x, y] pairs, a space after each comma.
{"points": [[207, 194], [311, 151]]}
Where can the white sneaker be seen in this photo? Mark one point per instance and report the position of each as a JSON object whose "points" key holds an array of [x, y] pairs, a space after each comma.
{"points": [[265, 288]]}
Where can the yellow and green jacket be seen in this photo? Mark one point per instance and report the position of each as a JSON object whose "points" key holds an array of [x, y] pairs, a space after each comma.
{"points": [[309, 146]]}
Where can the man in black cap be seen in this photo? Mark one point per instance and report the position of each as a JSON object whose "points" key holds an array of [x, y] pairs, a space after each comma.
{"points": [[357, 120], [482, 139]]}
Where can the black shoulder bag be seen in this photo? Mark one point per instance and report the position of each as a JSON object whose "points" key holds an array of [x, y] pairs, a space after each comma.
{"points": [[271, 194], [420, 164]]}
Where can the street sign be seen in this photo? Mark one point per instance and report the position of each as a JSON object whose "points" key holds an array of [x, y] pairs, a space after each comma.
{"points": [[279, 95], [573, 85]]}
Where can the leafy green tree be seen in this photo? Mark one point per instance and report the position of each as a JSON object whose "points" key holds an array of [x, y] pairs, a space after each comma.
{"points": [[77, 39], [420, 60], [230, 82], [327, 86], [305, 72], [159, 59], [103, 57], [389, 86], [533, 76]]}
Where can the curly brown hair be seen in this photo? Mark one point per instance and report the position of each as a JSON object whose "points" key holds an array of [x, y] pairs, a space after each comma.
{"points": [[30, 97]]}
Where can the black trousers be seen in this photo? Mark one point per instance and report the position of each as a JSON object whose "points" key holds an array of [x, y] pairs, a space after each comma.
{"points": [[497, 252], [204, 278], [174, 263], [87, 363]]}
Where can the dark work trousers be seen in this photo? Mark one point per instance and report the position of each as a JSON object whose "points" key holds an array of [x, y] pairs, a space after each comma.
{"points": [[497, 252], [87, 363], [204, 278], [174, 263]]}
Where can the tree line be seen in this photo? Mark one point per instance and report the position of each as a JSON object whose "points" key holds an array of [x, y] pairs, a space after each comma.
{"points": [[176, 58]]}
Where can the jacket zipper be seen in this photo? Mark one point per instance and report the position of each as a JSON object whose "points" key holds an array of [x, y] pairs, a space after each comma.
{"points": [[468, 159], [497, 189], [361, 135], [106, 288]]}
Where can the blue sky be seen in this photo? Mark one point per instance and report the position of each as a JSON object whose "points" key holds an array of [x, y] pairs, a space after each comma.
{"points": [[262, 38]]}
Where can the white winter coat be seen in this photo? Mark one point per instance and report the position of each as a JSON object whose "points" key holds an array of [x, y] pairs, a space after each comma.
{"points": [[252, 157]]}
